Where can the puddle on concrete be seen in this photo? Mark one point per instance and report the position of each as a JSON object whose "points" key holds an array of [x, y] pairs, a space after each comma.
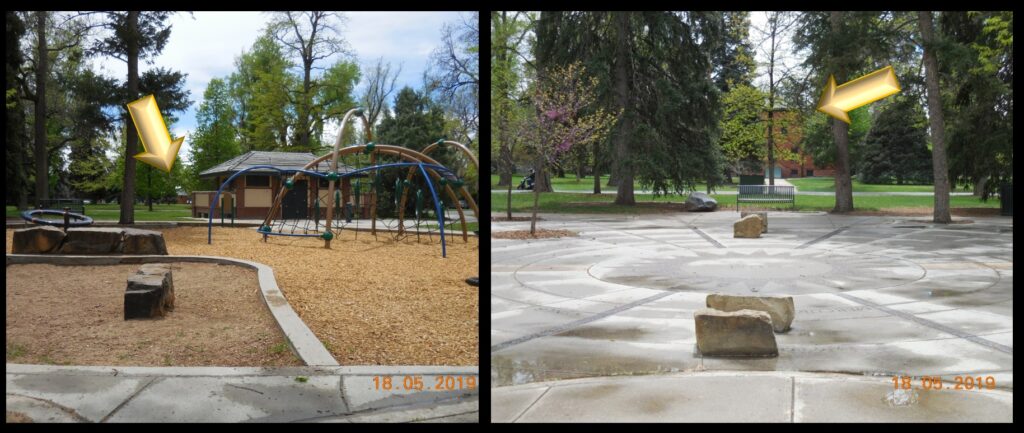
{"points": [[901, 398], [603, 333]]}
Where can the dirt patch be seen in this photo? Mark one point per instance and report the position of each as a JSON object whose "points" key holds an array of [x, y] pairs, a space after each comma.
{"points": [[917, 211], [371, 302], [539, 234], [74, 315], [17, 417]]}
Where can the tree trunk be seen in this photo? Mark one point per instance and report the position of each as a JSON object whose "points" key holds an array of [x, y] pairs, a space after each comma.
{"points": [[506, 165], [149, 188], [979, 186], [840, 132], [624, 195], [936, 123], [509, 205], [597, 171], [42, 156], [536, 205], [132, 137], [542, 180], [771, 104]]}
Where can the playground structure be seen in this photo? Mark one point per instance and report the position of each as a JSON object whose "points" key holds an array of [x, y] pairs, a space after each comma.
{"points": [[338, 218]]}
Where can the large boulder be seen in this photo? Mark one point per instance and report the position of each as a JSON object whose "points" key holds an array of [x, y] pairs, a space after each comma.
{"points": [[37, 240], [780, 308], [150, 292], [700, 202], [138, 241], [747, 227], [745, 333], [93, 240], [762, 215]]}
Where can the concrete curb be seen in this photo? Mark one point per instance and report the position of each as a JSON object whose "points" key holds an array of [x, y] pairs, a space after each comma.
{"points": [[303, 342], [121, 371]]}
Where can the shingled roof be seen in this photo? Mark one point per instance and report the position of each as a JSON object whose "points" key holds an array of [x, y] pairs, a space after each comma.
{"points": [[283, 160]]}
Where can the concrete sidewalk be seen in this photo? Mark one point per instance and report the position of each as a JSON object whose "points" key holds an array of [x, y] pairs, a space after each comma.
{"points": [[781, 397], [239, 394]]}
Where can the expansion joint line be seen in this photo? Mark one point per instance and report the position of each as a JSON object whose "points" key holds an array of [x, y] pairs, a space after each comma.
{"points": [[578, 323]]}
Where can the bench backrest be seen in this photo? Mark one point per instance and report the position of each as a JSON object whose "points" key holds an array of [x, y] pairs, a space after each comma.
{"points": [[766, 190]]}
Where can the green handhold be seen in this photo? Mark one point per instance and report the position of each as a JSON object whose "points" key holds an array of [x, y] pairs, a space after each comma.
{"points": [[327, 236], [358, 112], [440, 142], [407, 183], [289, 184], [265, 229], [443, 181], [332, 176], [369, 148]]}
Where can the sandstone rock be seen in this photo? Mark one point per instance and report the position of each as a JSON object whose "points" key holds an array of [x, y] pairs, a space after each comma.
{"points": [[764, 219], [138, 241], [739, 333], [93, 240], [150, 292], [37, 240], [747, 227], [781, 308], [700, 202]]}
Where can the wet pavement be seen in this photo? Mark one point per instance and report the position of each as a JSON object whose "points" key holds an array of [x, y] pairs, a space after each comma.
{"points": [[875, 296]]}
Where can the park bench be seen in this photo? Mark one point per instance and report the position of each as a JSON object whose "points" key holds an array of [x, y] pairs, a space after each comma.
{"points": [[75, 205], [765, 194]]}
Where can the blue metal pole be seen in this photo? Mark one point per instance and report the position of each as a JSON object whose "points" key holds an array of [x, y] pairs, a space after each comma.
{"points": [[437, 208]]}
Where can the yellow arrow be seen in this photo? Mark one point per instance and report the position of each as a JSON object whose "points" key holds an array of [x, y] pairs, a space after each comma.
{"points": [[837, 101], [156, 139]]}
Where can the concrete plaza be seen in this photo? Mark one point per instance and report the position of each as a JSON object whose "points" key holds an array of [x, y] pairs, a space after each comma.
{"points": [[876, 297]]}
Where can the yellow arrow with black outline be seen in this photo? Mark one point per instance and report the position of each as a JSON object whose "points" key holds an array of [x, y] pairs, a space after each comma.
{"points": [[837, 101], [161, 150]]}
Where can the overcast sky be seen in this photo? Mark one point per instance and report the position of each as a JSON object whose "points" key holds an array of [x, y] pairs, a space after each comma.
{"points": [[205, 44]]}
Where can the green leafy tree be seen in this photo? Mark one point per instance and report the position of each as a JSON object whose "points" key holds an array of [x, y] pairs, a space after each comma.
{"points": [[416, 123], [743, 131], [134, 35], [215, 139], [310, 37], [260, 87], [978, 53], [508, 32], [896, 148]]}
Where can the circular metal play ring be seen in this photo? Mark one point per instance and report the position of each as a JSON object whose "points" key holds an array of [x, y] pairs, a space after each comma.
{"points": [[76, 220]]}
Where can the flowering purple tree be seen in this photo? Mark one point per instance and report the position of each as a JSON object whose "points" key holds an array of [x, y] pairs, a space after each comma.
{"points": [[566, 116]]}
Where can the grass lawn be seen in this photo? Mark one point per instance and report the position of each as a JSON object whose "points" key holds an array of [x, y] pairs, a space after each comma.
{"points": [[569, 183], [112, 212], [589, 203], [827, 184]]}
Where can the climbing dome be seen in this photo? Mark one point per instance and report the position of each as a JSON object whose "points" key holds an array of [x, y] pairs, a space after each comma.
{"points": [[424, 193]]}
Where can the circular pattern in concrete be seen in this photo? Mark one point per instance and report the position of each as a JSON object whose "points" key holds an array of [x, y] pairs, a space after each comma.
{"points": [[763, 271], [874, 296]]}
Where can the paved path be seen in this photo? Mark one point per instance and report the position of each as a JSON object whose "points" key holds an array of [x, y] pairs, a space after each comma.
{"points": [[877, 296], [761, 397], [226, 394]]}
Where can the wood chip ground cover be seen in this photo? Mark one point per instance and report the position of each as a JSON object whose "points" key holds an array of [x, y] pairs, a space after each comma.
{"points": [[74, 315], [372, 302]]}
